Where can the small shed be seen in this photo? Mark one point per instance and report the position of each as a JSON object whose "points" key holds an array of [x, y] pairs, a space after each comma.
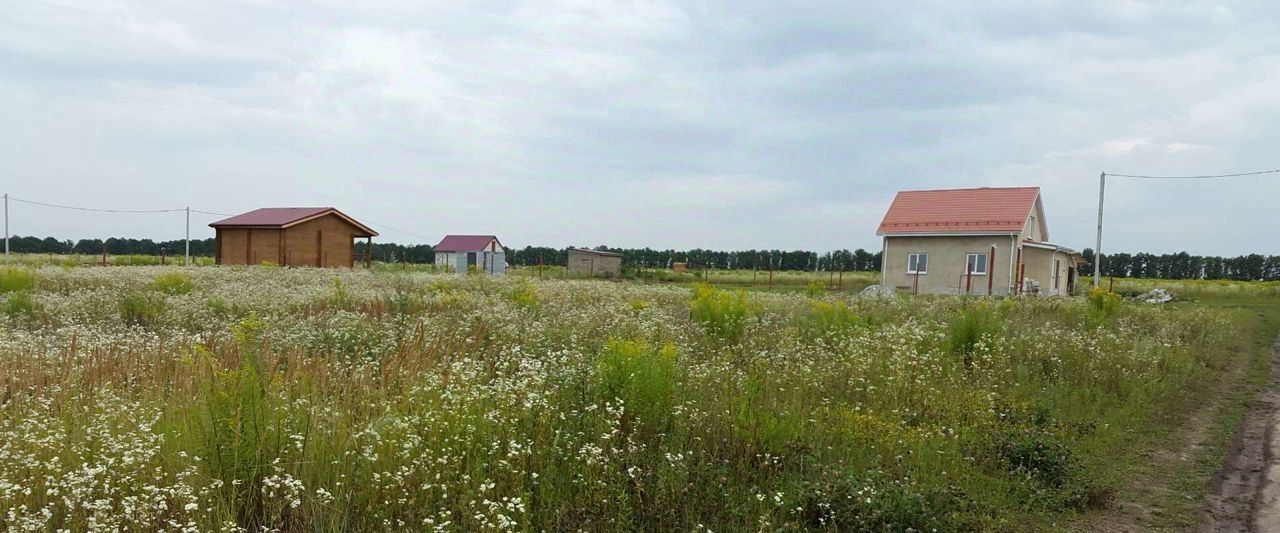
{"points": [[290, 236], [464, 253], [585, 262]]}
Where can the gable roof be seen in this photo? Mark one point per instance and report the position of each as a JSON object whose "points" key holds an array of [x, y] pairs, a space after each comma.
{"points": [[284, 217], [465, 243], [596, 252], [985, 211]]}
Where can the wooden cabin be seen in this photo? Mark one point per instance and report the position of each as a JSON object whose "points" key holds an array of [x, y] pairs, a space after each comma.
{"points": [[291, 236]]}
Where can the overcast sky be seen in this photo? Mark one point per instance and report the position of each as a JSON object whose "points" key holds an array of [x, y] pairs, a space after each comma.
{"points": [[727, 125]]}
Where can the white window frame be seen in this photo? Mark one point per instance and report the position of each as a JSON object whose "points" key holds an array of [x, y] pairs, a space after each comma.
{"points": [[914, 258], [986, 263]]}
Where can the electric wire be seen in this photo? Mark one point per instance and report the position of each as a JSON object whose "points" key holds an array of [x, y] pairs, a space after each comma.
{"points": [[1205, 177], [96, 210], [397, 230]]}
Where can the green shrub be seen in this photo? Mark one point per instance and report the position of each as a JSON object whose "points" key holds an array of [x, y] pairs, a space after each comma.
{"points": [[828, 320], [722, 314], [340, 297], [173, 283], [526, 296], [814, 288], [968, 328], [16, 279], [643, 376], [140, 309], [240, 435], [1103, 304], [875, 502], [21, 305]]}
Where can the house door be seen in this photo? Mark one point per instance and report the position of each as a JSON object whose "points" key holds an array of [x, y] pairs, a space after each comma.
{"points": [[471, 260], [1071, 281]]}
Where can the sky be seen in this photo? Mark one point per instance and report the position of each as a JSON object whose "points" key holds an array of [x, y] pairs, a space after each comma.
{"points": [[715, 124]]}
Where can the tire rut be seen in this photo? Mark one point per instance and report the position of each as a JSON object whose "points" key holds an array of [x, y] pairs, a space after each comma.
{"points": [[1246, 491]]}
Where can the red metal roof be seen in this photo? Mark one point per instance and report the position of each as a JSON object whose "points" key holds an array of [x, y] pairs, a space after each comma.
{"points": [[960, 211], [283, 217], [465, 243]]}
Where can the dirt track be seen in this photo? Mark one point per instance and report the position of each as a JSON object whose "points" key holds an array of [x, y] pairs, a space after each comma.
{"points": [[1246, 492]]}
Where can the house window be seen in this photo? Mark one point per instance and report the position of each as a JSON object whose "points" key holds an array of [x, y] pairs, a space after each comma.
{"points": [[917, 263], [976, 264]]}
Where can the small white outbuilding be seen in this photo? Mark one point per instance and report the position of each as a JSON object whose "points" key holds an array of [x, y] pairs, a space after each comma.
{"points": [[463, 253]]}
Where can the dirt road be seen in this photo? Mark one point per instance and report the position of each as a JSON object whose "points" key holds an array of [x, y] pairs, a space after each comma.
{"points": [[1246, 492]]}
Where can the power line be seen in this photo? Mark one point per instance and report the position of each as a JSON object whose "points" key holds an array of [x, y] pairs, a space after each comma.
{"points": [[1206, 177], [409, 233], [211, 213], [96, 210]]}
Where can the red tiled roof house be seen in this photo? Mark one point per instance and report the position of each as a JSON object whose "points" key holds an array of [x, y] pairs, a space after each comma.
{"points": [[290, 236], [468, 253], [973, 241]]}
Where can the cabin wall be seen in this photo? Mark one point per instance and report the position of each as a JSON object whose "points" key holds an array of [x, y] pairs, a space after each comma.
{"points": [[327, 241], [248, 246], [945, 270], [589, 264]]}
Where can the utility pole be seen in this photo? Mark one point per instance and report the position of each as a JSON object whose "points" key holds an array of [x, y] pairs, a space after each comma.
{"points": [[1097, 251], [6, 227], [186, 260]]}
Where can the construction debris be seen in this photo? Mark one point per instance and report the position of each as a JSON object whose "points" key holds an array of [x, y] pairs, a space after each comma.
{"points": [[1156, 296], [878, 291]]}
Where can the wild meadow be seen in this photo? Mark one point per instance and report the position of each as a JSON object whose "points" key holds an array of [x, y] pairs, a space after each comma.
{"points": [[267, 399]]}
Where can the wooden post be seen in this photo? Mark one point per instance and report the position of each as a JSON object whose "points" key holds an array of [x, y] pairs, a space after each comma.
{"points": [[104, 253], [968, 278], [1017, 273], [368, 252], [991, 260], [217, 246]]}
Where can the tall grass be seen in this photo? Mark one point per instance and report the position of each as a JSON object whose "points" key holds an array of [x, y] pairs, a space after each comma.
{"points": [[724, 314], [409, 401], [14, 279]]}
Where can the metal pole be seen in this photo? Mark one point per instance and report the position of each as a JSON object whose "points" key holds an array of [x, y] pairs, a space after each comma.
{"points": [[1097, 251], [186, 260], [6, 227]]}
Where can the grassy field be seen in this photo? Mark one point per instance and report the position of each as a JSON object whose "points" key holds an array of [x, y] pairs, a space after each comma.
{"points": [[235, 399]]}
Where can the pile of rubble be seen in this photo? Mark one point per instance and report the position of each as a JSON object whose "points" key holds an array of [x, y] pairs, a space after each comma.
{"points": [[878, 291], [1156, 296]]}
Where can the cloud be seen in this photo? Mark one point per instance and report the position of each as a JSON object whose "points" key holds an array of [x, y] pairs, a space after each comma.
{"points": [[659, 123], [1124, 146], [1177, 147]]}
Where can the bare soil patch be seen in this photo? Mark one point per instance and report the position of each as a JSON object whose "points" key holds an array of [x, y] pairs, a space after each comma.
{"points": [[1246, 492]]}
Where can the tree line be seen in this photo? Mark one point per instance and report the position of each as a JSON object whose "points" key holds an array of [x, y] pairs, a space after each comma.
{"points": [[1251, 267], [1180, 265]]}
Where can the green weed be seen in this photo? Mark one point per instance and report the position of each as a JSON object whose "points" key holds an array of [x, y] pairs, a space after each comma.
{"points": [[140, 309], [722, 314], [173, 283], [643, 377], [16, 279]]}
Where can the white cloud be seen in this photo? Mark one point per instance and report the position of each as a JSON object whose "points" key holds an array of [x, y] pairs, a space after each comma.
{"points": [[1177, 147], [1125, 146], [670, 123]]}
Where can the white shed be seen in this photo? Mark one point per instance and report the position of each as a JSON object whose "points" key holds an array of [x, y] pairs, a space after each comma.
{"points": [[462, 253]]}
